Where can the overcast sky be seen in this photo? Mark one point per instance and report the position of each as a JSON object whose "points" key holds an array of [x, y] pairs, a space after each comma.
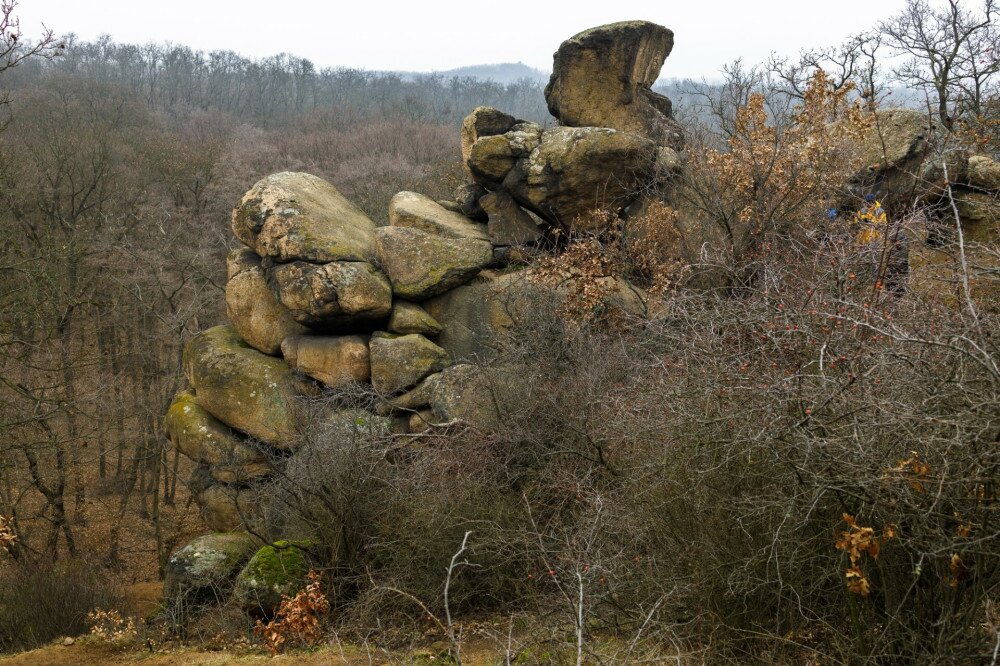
{"points": [[426, 35]]}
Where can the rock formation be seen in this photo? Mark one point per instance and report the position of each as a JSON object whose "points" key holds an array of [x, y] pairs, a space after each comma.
{"points": [[321, 297]]}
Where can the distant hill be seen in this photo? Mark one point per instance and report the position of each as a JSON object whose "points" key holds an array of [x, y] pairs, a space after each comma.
{"points": [[505, 72]]}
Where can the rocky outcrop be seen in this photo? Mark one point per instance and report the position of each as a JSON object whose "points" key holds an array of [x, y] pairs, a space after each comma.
{"points": [[483, 121], [602, 77]]}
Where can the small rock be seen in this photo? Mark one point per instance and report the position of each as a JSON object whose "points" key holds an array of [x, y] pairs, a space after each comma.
{"points": [[68, 641], [400, 361], [467, 197], [509, 223], [409, 317], [336, 361]]}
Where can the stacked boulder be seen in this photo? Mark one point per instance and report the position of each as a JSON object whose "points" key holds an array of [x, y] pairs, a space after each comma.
{"points": [[320, 297]]}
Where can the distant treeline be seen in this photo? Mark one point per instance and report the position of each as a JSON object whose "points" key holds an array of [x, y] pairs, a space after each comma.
{"points": [[279, 87]]}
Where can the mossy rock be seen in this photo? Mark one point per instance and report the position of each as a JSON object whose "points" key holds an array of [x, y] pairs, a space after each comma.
{"points": [[275, 570], [245, 389], [421, 265], [203, 570]]}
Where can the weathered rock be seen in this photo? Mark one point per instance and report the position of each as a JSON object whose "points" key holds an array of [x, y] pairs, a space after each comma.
{"points": [[602, 78], [333, 295], [336, 361], [477, 318], [567, 175], [276, 569], [416, 211], [478, 396], [245, 389], [204, 439], [492, 157], [291, 216], [421, 265], [409, 317], [421, 421], [980, 215], [252, 309], [893, 151], [400, 361], [509, 223], [226, 508], [940, 170], [483, 121], [467, 196], [204, 569], [983, 173]]}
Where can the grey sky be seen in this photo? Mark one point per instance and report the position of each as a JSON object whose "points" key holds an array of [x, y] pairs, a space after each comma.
{"points": [[424, 35]]}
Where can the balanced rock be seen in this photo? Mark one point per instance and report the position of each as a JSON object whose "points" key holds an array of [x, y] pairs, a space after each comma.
{"points": [[292, 216], [983, 173], [409, 317], [483, 121], [332, 295], [334, 360], [204, 569], [204, 439], [509, 223], [417, 211], [252, 309], [602, 77], [421, 265], [245, 389], [576, 170], [400, 361]]}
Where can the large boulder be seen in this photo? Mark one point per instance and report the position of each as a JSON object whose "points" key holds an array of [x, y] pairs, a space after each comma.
{"points": [[276, 570], [421, 265], [893, 151], [983, 173], [203, 571], [602, 78], [417, 211], [576, 170], [336, 361], [334, 295], [400, 361], [252, 309], [292, 216], [483, 121], [204, 439], [245, 389]]}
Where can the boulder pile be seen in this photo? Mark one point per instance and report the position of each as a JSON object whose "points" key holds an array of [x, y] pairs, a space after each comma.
{"points": [[321, 297]]}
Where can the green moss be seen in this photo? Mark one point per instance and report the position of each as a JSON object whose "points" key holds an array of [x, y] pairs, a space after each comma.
{"points": [[275, 570]]}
